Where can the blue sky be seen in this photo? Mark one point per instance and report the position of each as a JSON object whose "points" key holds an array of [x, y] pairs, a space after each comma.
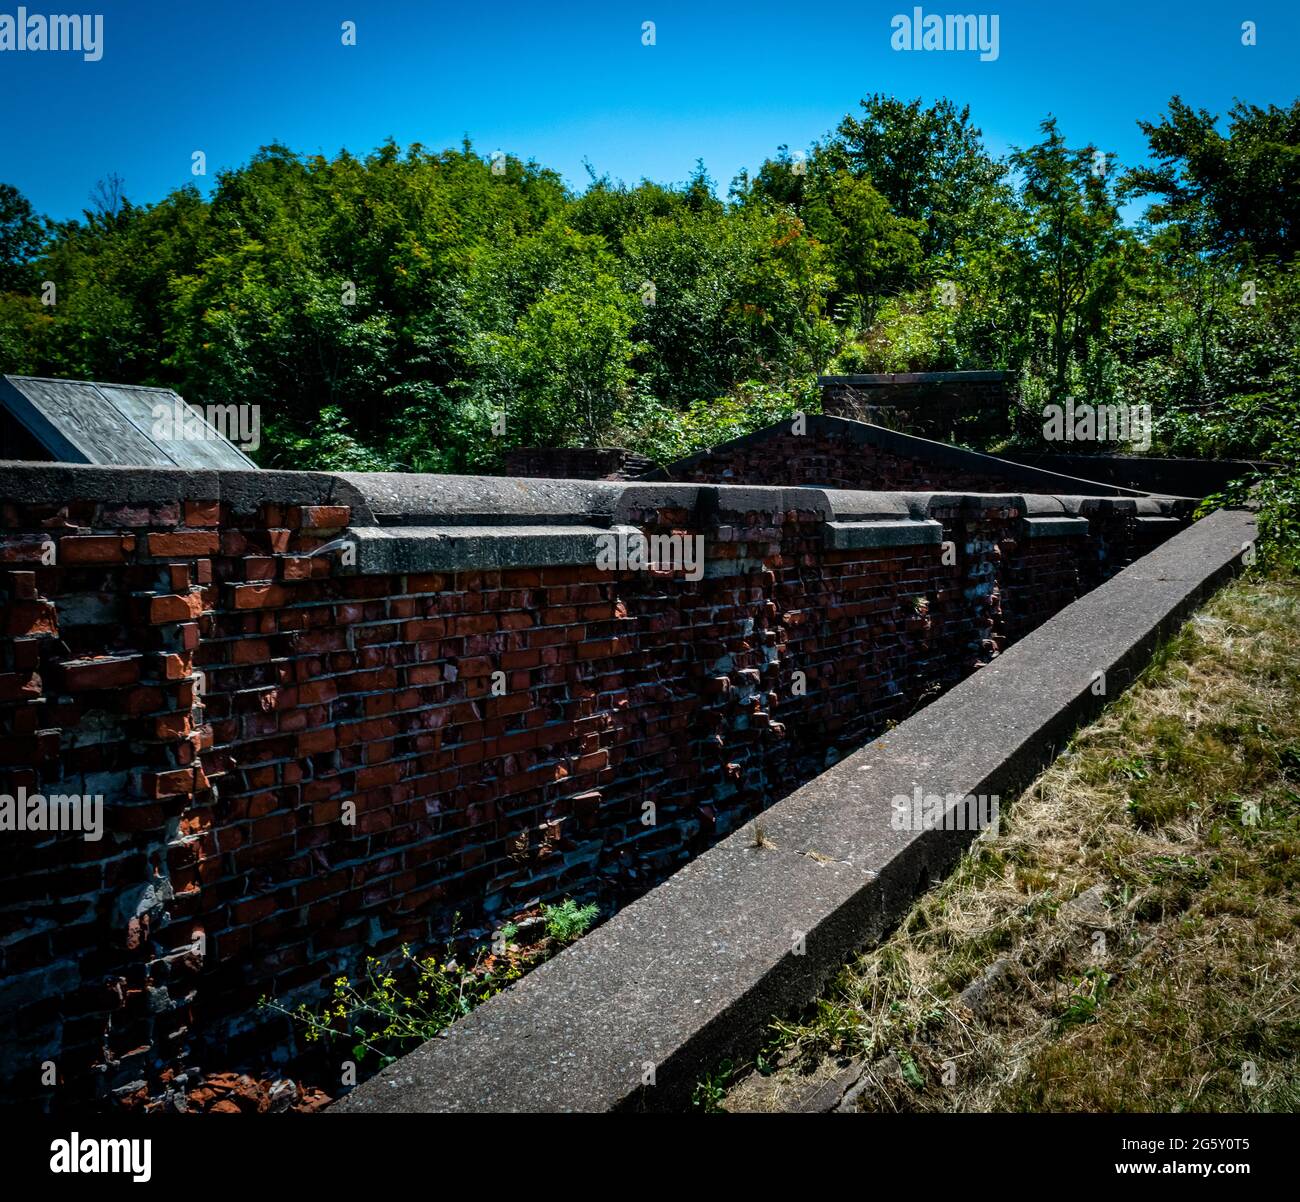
{"points": [[562, 82]]}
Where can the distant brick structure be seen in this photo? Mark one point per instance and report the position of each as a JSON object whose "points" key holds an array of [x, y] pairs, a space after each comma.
{"points": [[832, 452], [575, 463], [948, 405]]}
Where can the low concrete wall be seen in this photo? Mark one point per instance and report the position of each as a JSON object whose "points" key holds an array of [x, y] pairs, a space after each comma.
{"points": [[635, 1012]]}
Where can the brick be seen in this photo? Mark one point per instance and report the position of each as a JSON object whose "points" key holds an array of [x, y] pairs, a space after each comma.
{"points": [[330, 517], [19, 686], [258, 596], [104, 672], [315, 741], [183, 544], [202, 513], [168, 784], [91, 548], [175, 608], [22, 585]]}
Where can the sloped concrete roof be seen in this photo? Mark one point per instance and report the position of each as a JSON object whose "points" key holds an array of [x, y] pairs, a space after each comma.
{"points": [[84, 421]]}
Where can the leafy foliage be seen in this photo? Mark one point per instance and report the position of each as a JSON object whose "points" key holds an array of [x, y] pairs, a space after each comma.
{"points": [[406, 999], [566, 920], [397, 1004]]}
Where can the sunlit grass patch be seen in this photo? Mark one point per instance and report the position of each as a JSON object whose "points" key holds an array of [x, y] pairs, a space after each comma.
{"points": [[1131, 938]]}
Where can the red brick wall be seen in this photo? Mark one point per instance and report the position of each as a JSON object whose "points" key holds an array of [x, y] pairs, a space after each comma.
{"points": [[232, 696]]}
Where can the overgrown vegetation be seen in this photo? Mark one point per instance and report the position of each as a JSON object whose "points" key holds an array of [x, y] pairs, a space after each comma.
{"points": [[400, 1002], [385, 310], [1130, 939], [568, 920]]}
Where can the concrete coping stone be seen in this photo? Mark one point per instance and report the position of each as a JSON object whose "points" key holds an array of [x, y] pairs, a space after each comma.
{"points": [[419, 499], [1058, 527], [424, 500], [895, 519], [853, 536], [630, 1016], [383, 550], [53, 483], [1082, 506]]}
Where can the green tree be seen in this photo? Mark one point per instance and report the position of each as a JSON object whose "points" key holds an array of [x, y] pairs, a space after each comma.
{"points": [[1235, 194], [729, 295], [548, 344], [928, 162], [21, 236], [1071, 254]]}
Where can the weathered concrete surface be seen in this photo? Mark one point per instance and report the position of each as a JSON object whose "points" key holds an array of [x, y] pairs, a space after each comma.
{"points": [[852, 535], [630, 1016], [385, 549], [413, 499]]}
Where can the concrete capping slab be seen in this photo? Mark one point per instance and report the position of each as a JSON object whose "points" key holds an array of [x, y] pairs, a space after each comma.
{"points": [[853, 536], [1057, 527], [395, 499], [382, 550], [246, 492], [419, 499], [243, 491], [54, 483], [432, 523], [1085, 506], [860, 505], [694, 970]]}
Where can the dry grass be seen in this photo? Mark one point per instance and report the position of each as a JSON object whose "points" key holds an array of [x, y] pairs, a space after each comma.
{"points": [[1137, 935]]}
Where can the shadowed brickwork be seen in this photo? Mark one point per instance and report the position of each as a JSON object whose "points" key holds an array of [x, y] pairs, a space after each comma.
{"points": [[303, 759]]}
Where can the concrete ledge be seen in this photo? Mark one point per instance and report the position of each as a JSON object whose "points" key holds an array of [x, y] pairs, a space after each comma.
{"points": [[385, 549], [412, 499], [1060, 527], [695, 969], [854, 536]]}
